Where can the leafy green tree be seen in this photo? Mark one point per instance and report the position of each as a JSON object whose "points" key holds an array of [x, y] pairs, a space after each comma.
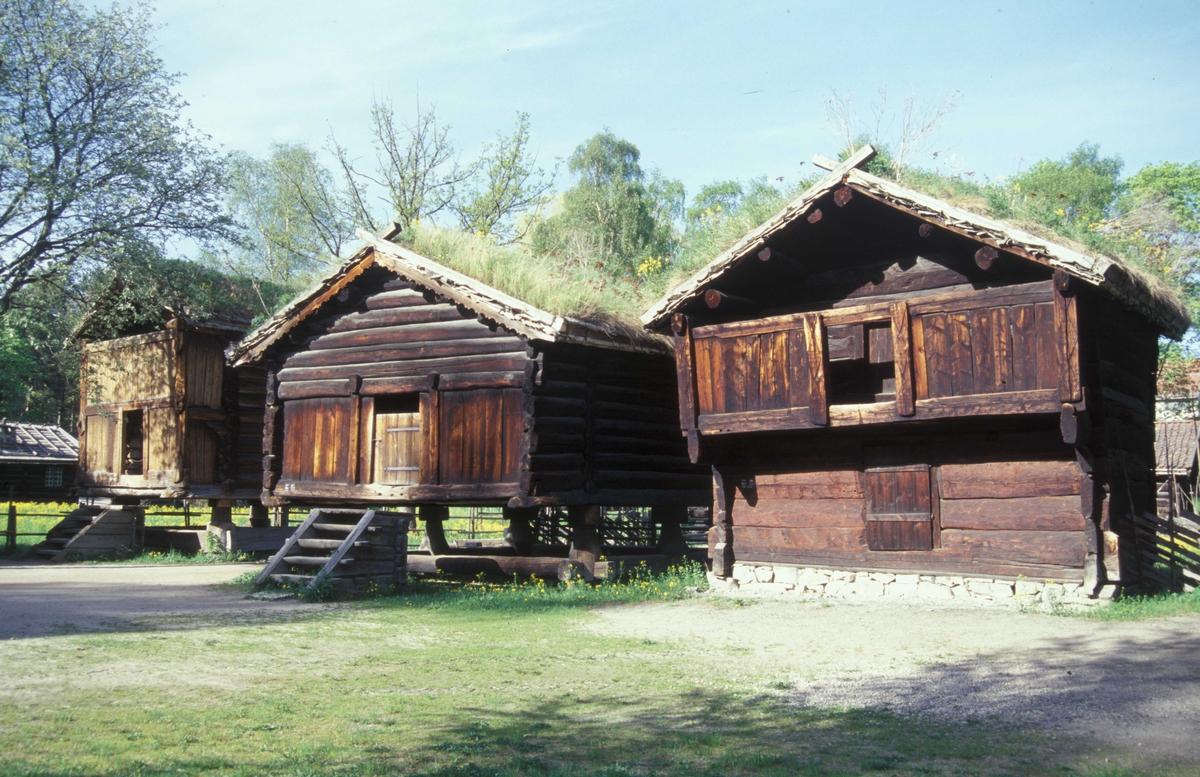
{"points": [[613, 215], [294, 219], [17, 367], [504, 184], [92, 149], [1075, 192]]}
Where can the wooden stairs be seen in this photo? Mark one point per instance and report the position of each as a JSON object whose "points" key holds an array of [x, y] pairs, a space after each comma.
{"points": [[351, 547], [91, 531]]}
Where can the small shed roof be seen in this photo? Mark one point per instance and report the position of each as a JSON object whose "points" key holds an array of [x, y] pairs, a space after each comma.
{"points": [[1135, 288], [507, 311], [36, 442], [1175, 446]]}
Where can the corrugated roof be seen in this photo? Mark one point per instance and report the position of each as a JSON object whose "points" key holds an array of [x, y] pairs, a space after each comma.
{"points": [[22, 441], [1175, 446]]}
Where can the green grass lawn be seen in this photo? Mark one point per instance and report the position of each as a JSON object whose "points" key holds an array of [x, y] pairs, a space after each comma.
{"points": [[479, 679]]}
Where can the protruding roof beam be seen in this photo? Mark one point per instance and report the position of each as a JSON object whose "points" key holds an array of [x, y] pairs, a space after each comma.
{"points": [[720, 300]]}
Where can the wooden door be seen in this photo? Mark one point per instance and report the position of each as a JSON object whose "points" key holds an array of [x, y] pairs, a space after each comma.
{"points": [[397, 448], [899, 504]]}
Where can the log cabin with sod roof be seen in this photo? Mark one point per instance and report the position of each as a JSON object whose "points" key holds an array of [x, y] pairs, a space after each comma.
{"points": [[399, 381], [886, 383]]}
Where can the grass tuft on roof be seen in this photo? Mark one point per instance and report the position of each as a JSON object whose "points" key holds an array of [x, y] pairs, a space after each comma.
{"points": [[573, 289]]}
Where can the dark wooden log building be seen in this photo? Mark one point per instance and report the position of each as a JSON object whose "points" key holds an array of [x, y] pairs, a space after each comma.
{"points": [[37, 462], [882, 381], [399, 381]]}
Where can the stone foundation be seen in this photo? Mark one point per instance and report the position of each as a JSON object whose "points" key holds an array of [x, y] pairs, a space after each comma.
{"points": [[808, 581]]}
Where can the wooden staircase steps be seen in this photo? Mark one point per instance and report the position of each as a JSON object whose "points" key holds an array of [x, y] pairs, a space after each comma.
{"points": [[348, 546], [89, 530]]}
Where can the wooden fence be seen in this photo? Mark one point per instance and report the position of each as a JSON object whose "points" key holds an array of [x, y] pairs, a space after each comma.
{"points": [[1170, 550]]}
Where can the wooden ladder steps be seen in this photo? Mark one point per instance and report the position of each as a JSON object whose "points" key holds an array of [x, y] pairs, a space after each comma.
{"points": [[310, 544], [345, 528], [295, 579], [312, 561], [344, 545]]}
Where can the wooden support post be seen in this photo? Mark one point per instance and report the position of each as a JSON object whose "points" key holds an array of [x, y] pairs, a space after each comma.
{"points": [[222, 510], [434, 517], [10, 532], [720, 542], [259, 518], [1066, 325], [902, 353], [685, 372], [584, 521], [669, 519], [519, 534], [814, 338]]}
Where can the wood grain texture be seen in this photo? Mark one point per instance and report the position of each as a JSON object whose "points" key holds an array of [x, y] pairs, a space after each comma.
{"points": [[1039, 513], [1003, 480], [1017, 547], [814, 338], [902, 355]]}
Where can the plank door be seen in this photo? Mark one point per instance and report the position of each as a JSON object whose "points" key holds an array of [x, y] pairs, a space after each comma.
{"points": [[397, 441], [899, 510]]}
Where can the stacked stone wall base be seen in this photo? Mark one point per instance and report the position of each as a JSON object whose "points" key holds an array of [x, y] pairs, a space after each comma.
{"points": [[790, 579]]}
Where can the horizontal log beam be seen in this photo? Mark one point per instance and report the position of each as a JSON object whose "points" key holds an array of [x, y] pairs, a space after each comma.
{"points": [[971, 405], [985, 257], [774, 255], [715, 299]]}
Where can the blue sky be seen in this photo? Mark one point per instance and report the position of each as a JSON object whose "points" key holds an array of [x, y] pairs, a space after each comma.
{"points": [[707, 91]]}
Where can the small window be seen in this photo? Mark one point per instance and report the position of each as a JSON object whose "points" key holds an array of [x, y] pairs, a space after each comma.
{"points": [[54, 477], [131, 448], [397, 439], [862, 366]]}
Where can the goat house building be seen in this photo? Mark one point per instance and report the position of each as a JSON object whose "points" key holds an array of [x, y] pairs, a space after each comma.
{"points": [[884, 382], [399, 381]]}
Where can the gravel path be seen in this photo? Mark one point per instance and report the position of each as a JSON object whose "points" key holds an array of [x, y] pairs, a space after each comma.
{"points": [[1135, 684], [40, 599]]}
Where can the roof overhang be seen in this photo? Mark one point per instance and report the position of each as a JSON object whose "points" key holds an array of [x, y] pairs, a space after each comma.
{"points": [[492, 304], [1127, 284]]}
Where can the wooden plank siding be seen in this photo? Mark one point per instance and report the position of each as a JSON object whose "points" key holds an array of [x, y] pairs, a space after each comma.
{"points": [[977, 354]]}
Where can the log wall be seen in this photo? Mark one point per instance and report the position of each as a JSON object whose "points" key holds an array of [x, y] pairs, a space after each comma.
{"points": [[998, 502], [385, 340], [604, 429], [503, 420]]}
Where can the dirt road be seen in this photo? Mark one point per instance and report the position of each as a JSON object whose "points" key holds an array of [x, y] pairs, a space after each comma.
{"points": [[1136, 684], [39, 599]]}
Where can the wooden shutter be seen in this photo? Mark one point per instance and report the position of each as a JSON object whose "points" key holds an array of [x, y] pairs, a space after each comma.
{"points": [[899, 514], [397, 448]]}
